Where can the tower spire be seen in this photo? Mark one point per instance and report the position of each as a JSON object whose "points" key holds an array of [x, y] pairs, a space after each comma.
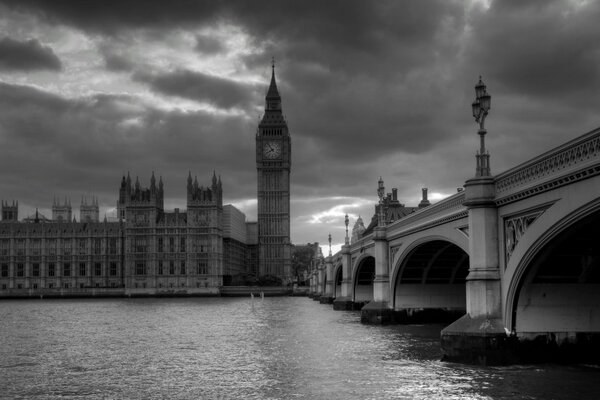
{"points": [[273, 98]]}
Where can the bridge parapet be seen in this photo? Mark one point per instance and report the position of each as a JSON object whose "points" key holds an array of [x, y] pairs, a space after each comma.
{"points": [[573, 161], [441, 212]]}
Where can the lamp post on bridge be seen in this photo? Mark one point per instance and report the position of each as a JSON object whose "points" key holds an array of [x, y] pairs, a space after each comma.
{"points": [[479, 335], [481, 107], [380, 193], [343, 299], [378, 310], [346, 221], [327, 296]]}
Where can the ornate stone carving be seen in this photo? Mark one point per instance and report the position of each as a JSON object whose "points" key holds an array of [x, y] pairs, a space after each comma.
{"points": [[394, 251], [515, 228], [567, 156]]}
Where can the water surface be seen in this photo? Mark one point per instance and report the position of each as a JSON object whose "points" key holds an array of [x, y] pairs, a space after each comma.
{"points": [[235, 348]]}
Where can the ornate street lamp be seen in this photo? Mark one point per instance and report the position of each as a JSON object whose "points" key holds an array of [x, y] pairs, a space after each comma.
{"points": [[381, 193], [330, 245], [347, 221], [481, 107]]}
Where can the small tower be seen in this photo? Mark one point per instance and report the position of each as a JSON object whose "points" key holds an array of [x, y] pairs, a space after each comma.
{"points": [[124, 194], [10, 212], [89, 212], [62, 212], [358, 229], [424, 202], [140, 205]]}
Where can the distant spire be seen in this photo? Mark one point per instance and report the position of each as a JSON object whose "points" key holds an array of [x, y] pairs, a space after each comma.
{"points": [[273, 92]]}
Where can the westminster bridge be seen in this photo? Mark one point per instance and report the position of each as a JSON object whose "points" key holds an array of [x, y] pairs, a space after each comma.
{"points": [[512, 259]]}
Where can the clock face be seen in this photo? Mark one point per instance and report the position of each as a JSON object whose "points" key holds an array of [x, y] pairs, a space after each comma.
{"points": [[272, 150]]}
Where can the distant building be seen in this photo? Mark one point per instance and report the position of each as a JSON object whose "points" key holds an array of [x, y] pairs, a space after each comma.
{"points": [[148, 250], [304, 257], [252, 243], [234, 244], [393, 210]]}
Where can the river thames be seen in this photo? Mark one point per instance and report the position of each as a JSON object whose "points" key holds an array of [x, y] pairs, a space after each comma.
{"points": [[238, 348]]}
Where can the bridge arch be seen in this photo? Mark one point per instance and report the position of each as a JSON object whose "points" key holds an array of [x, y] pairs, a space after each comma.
{"points": [[554, 274], [337, 280], [430, 275], [363, 273]]}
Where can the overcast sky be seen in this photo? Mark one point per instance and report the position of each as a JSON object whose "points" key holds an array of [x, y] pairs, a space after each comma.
{"points": [[90, 90]]}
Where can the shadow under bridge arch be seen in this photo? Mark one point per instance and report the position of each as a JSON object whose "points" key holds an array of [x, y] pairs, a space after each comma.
{"points": [[430, 283], [555, 297], [363, 280], [338, 275]]}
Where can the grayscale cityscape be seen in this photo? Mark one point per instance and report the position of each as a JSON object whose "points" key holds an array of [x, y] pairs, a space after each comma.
{"points": [[432, 235]]}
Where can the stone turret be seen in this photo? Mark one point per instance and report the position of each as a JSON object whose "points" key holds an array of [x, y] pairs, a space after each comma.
{"points": [[424, 202], [10, 212], [358, 230], [140, 203], [200, 195], [62, 212], [89, 211]]}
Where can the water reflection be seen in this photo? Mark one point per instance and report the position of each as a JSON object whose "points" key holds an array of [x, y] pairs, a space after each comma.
{"points": [[276, 348]]}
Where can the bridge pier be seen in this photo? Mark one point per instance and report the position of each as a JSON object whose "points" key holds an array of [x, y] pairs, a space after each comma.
{"points": [[313, 285], [327, 296], [316, 283], [479, 336], [378, 311], [344, 302], [320, 278]]}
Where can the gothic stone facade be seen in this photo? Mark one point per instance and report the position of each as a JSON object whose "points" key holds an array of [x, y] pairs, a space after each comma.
{"points": [[148, 250]]}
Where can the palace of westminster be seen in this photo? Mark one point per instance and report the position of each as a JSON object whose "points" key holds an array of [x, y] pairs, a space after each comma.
{"points": [[148, 250]]}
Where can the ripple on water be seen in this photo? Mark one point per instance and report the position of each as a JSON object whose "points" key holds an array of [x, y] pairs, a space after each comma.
{"points": [[276, 348]]}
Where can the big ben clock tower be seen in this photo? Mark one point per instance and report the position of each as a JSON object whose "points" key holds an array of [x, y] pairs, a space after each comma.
{"points": [[273, 162]]}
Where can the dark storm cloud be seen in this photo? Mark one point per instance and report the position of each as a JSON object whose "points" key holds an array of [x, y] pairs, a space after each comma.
{"points": [[223, 93], [369, 89], [83, 145], [543, 49], [111, 17], [28, 55]]}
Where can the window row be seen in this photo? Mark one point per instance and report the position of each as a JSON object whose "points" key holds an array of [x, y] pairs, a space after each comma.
{"points": [[53, 270], [51, 285], [170, 268], [66, 246]]}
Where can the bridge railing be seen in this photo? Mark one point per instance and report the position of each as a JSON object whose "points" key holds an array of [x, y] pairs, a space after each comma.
{"points": [[576, 154], [437, 212]]}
